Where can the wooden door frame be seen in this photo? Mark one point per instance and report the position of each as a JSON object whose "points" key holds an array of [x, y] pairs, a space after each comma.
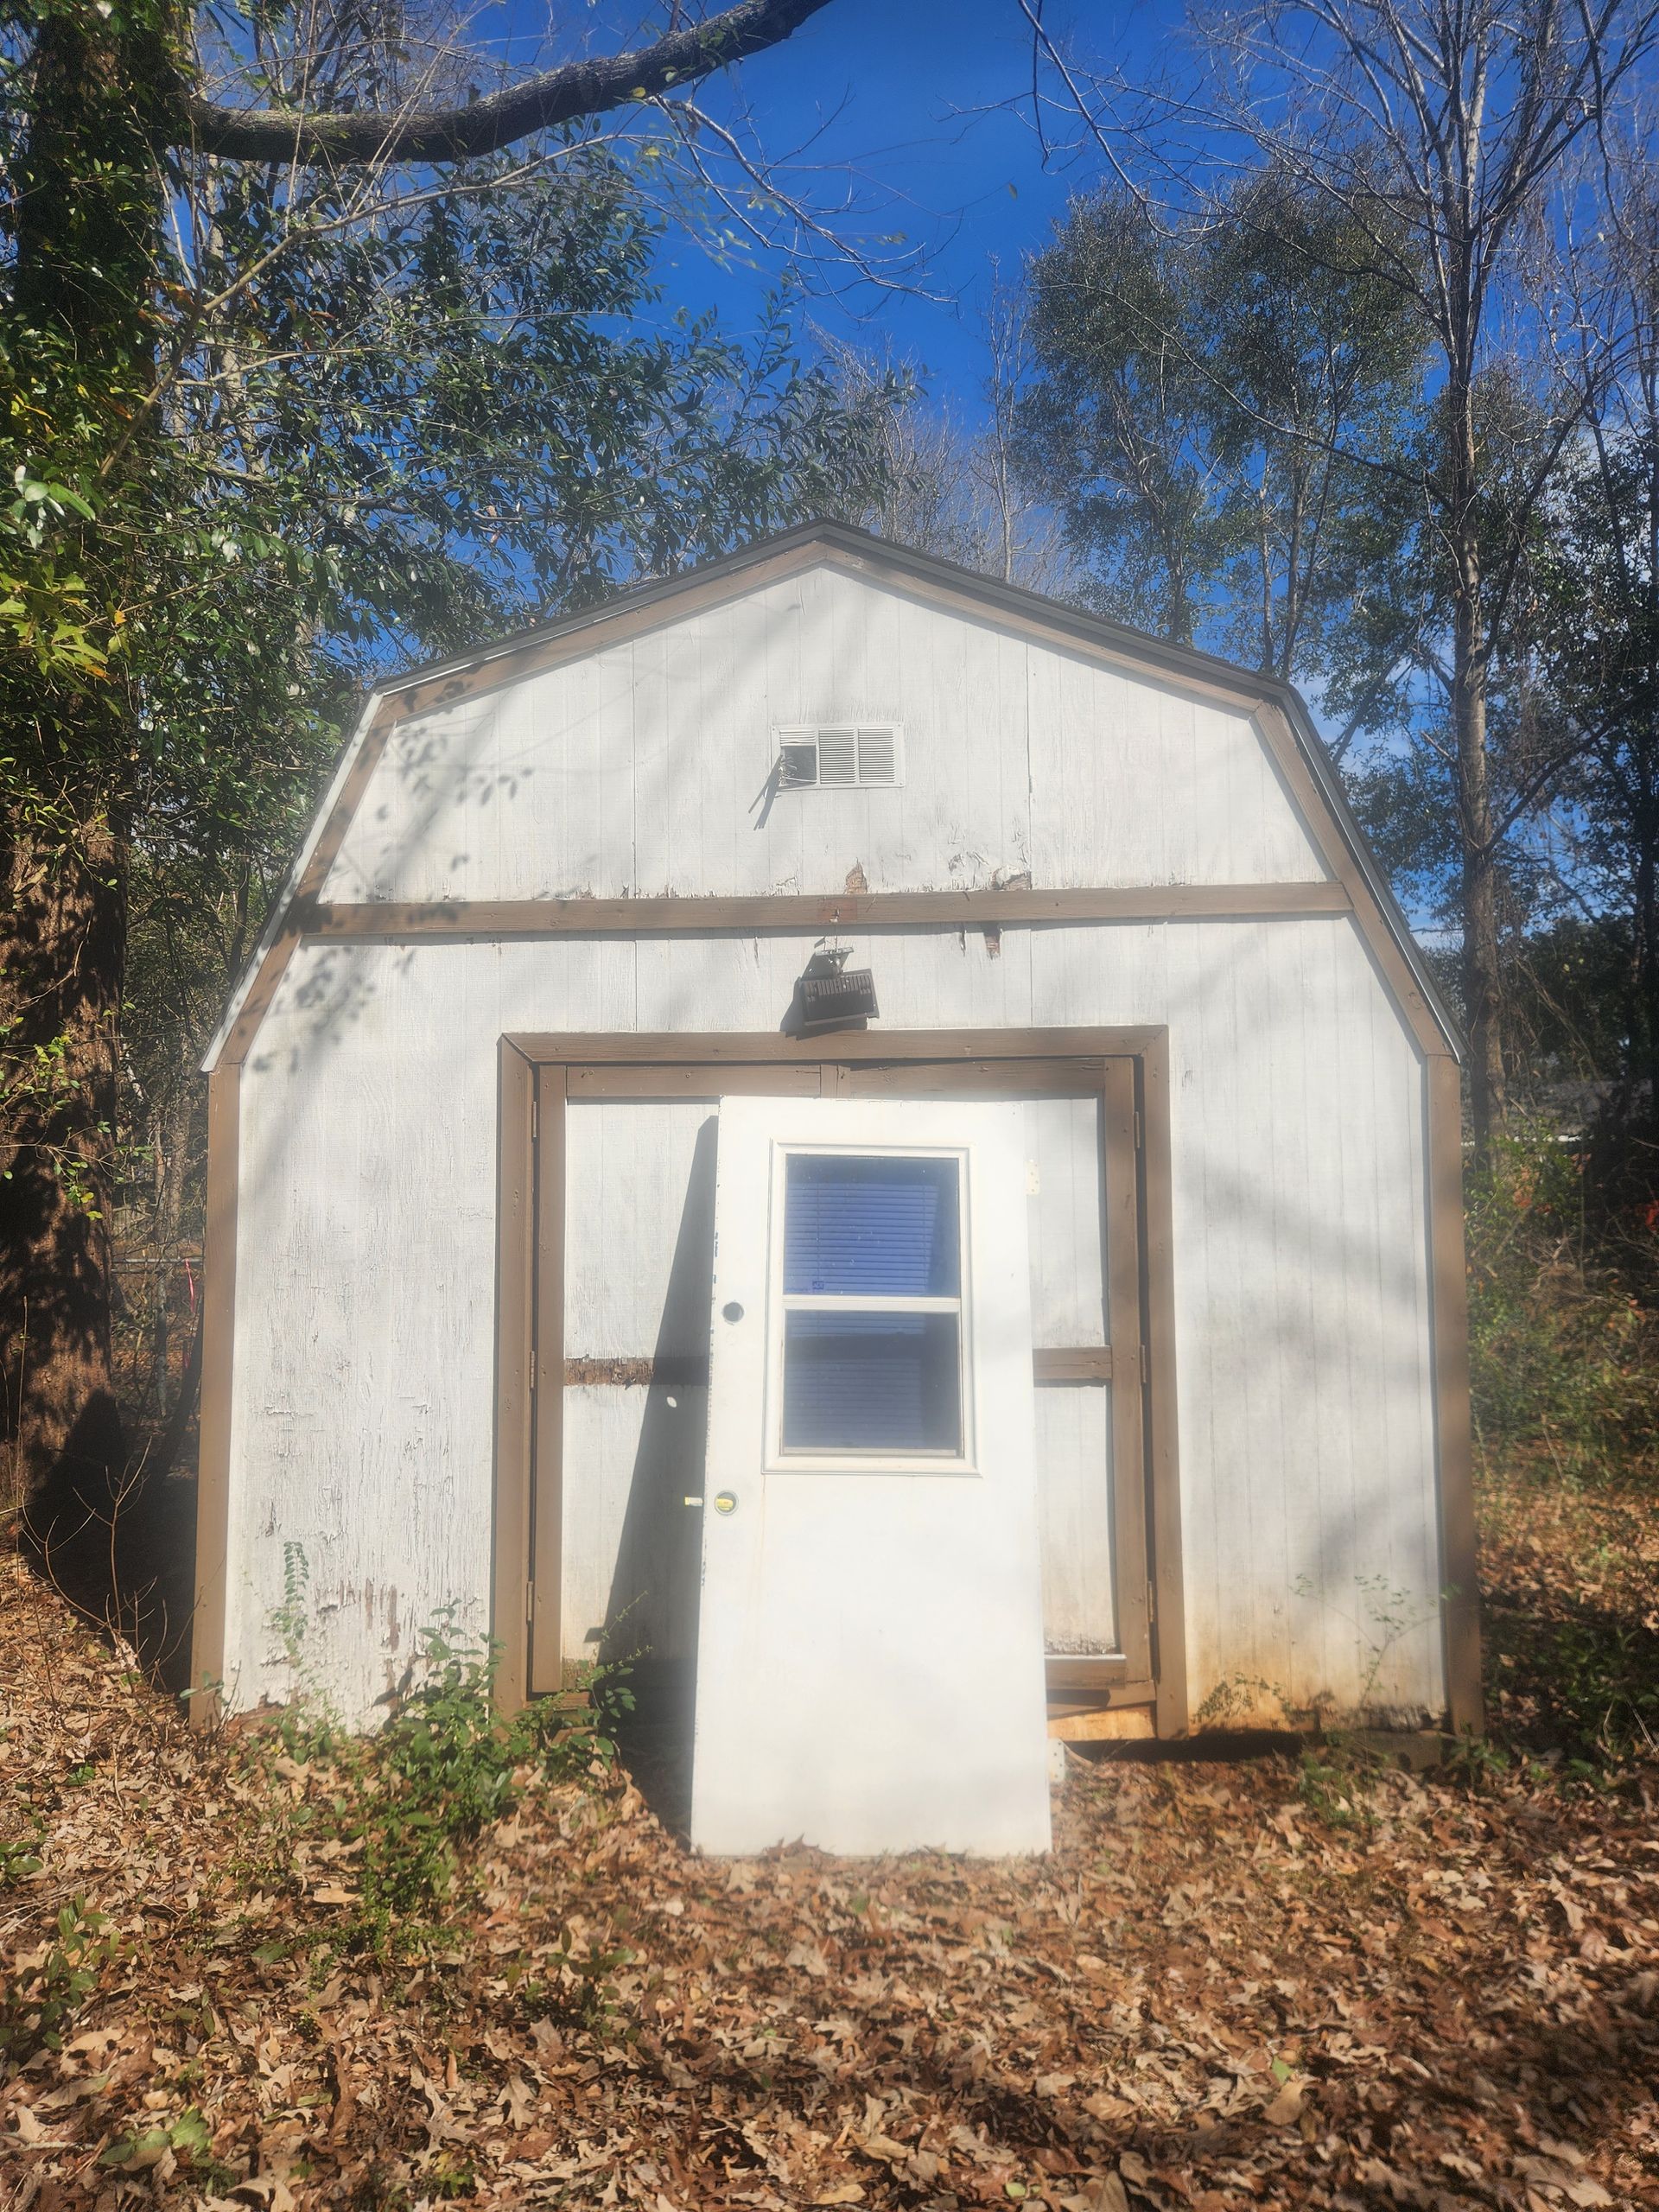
{"points": [[538, 1073]]}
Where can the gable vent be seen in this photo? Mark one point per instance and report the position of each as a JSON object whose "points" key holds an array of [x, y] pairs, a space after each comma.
{"points": [[839, 756], [877, 756]]}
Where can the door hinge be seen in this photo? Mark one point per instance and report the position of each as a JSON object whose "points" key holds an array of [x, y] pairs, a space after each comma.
{"points": [[1151, 1603], [530, 1604], [536, 1119], [531, 1370], [1139, 1132], [1146, 1363]]}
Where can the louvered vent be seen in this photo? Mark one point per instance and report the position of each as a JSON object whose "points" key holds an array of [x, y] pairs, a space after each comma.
{"points": [[877, 756], [839, 757]]}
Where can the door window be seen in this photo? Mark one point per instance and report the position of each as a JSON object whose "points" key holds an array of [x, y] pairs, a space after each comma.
{"points": [[869, 1352]]}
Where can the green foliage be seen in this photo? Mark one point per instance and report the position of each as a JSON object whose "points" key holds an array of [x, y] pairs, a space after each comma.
{"points": [[585, 1992], [1564, 1358], [1604, 1676], [35, 1083], [1210, 401], [189, 2137], [267, 430], [1336, 1779], [402, 1806], [19, 1860], [47, 1993], [44, 606]]}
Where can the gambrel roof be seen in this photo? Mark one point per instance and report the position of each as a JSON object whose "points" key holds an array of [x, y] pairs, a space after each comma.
{"points": [[1278, 709]]}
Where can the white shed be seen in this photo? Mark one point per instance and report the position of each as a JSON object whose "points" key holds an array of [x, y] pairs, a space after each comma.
{"points": [[554, 906]]}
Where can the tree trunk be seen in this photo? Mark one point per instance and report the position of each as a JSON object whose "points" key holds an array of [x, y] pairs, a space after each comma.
{"points": [[86, 206], [1482, 982], [61, 957], [1470, 661], [1644, 1012]]}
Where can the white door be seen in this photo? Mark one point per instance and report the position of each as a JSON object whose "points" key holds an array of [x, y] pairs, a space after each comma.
{"points": [[870, 1635]]}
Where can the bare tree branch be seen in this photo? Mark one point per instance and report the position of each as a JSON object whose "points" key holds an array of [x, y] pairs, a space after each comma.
{"points": [[567, 94]]}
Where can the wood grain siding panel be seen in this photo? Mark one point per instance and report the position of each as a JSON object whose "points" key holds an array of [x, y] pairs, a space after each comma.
{"points": [[546, 1552], [1034, 1078], [387, 922], [1133, 783], [218, 1343], [637, 1264], [514, 1294], [1175, 782], [1464, 1701]]}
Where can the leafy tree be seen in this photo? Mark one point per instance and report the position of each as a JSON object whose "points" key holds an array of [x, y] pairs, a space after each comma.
{"points": [[1598, 640], [1444, 136], [1113, 426], [1199, 385], [298, 358]]}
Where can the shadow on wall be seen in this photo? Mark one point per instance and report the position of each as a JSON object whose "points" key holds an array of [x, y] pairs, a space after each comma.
{"points": [[652, 1613]]}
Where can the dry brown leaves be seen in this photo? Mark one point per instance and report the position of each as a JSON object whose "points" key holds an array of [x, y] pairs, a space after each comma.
{"points": [[1206, 1999]]}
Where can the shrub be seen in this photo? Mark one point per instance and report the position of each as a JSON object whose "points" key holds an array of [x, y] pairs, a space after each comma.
{"points": [[40, 1998], [1564, 1357], [403, 1805]]}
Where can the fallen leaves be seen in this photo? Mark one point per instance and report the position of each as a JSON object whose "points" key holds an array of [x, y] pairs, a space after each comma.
{"points": [[1205, 1999]]}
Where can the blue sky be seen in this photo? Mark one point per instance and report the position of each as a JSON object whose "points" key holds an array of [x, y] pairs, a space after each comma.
{"points": [[916, 103]]}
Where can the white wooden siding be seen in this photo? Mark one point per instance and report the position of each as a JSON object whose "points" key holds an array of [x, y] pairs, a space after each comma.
{"points": [[643, 769], [639, 1235], [363, 1383]]}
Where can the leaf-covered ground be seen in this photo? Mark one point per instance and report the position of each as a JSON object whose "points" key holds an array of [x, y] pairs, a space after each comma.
{"points": [[1211, 1996]]}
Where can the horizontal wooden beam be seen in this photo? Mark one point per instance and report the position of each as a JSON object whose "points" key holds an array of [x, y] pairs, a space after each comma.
{"points": [[689, 1371], [386, 921], [667, 1371], [1070, 1363], [712, 1049], [887, 1078], [685, 1079]]}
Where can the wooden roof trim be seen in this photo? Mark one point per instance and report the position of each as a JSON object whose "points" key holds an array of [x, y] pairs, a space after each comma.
{"points": [[811, 545]]}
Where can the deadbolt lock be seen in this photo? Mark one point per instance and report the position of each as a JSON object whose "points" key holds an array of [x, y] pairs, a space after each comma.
{"points": [[725, 1502]]}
